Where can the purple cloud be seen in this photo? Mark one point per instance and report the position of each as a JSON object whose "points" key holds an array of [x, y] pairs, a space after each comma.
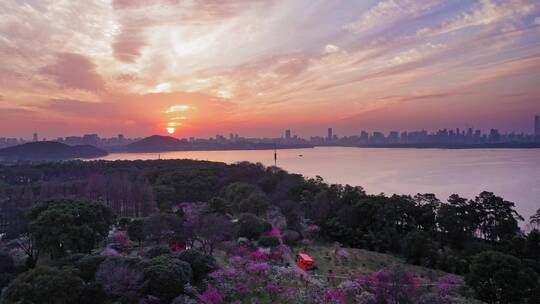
{"points": [[75, 71]]}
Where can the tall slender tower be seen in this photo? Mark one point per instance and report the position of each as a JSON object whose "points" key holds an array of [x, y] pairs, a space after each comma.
{"points": [[537, 128], [330, 134], [275, 155]]}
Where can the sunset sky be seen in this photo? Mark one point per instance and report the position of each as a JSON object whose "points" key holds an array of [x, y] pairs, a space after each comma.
{"points": [[257, 67]]}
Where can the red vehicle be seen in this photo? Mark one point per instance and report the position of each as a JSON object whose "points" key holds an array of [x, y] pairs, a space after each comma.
{"points": [[305, 262]]}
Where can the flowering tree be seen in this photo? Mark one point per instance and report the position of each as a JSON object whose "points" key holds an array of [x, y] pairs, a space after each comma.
{"points": [[212, 296], [119, 279], [391, 286], [335, 296], [448, 286]]}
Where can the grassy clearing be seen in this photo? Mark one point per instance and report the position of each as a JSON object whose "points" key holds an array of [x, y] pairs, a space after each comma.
{"points": [[360, 262]]}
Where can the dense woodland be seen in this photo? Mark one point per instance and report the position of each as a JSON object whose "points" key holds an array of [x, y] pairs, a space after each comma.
{"points": [[101, 232]]}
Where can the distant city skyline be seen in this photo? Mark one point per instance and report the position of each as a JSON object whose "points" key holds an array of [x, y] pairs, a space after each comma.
{"points": [[533, 130], [197, 68], [441, 136]]}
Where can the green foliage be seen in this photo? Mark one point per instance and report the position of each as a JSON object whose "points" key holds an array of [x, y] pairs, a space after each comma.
{"points": [[450, 261], [186, 185], [246, 198], [418, 249], [123, 223], [44, 285], [251, 227], [291, 237], [135, 230], [256, 203], [421, 228], [121, 278], [236, 192], [532, 246], [93, 293], [500, 278], [201, 264], [165, 197], [498, 219], [458, 220], [268, 241], [156, 251], [535, 218], [74, 225], [165, 277], [163, 227], [88, 266], [7, 268], [219, 205]]}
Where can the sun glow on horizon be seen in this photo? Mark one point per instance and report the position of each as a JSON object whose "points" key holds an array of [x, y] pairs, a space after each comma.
{"points": [[171, 130]]}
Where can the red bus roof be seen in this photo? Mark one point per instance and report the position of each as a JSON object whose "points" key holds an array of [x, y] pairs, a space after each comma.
{"points": [[305, 257]]}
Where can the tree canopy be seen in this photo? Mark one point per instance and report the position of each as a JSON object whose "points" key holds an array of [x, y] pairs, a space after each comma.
{"points": [[69, 225], [44, 285]]}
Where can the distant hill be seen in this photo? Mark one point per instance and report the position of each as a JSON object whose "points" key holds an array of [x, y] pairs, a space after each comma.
{"points": [[155, 143], [49, 150]]}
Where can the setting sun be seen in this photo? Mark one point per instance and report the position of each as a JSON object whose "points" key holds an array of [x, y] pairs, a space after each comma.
{"points": [[170, 130]]}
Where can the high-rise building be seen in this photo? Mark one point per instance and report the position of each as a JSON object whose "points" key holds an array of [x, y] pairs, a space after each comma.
{"points": [[494, 136], [90, 139], [287, 134], [330, 134], [537, 127], [35, 137]]}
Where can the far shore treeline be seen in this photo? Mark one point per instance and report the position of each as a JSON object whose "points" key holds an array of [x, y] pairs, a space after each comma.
{"points": [[478, 238]]}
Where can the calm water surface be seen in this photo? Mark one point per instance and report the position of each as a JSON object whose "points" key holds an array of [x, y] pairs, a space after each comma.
{"points": [[511, 173]]}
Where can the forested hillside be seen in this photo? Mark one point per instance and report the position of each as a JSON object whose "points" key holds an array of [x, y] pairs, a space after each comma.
{"points": [[182, 231]]}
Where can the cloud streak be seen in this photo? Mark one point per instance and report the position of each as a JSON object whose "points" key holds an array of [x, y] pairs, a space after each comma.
{"points": [[75, 71]]}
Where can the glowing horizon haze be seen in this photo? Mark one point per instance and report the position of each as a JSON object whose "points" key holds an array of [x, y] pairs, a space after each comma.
{"points": [[257, 67]]}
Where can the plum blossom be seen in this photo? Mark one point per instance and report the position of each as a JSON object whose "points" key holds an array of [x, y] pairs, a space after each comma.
{"points": [[212, 296]]}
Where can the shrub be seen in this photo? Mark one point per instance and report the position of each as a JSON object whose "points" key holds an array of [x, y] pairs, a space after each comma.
{"points": [[201, 264], [93, 293], [69, 225], [500, 278], [418, 249], [109, 252], [183, 299], [165, 277], [256, 203], [88, 266], [44, 285], [136, 231], [123, 223], [290, 237], [7, 268], [251, 227], [120, 277], [269, 241], [156, 251]]}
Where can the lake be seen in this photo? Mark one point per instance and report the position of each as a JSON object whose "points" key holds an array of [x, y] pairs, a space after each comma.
{"points": [[511, 173]]}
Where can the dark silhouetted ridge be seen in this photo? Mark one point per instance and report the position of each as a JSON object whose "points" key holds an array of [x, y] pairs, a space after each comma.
{"points": [[155, 143], [49, 150]]}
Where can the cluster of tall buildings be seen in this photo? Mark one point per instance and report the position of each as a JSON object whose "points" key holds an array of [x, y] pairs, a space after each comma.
{"points": [[442, 137]]}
